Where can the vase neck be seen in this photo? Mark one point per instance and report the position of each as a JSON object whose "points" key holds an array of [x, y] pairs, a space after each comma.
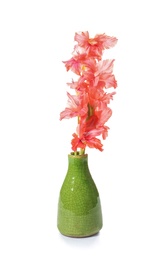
{"points": [[78, 163]]}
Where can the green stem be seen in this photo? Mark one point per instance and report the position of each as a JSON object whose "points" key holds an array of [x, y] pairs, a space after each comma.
{"points": [[90, 111], [82, 151]]}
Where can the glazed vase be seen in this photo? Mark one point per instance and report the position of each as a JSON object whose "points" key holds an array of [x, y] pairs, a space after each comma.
{"points": [[79, 208]]}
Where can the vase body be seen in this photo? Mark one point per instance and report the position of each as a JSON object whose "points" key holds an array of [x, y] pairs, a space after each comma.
{"points": [[79, 207]]}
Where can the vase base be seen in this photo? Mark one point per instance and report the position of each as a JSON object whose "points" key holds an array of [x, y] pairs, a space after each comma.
{"points": [[81, 236]]}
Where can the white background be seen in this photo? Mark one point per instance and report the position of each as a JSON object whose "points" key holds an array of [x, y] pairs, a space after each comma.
{"points": [[131, 172]]}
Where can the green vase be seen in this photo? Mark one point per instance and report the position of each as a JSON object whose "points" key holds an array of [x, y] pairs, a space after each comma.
{"points": [[79, 208]]}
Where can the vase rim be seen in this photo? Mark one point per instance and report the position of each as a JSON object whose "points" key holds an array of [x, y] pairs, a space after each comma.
{"points": [[78, 155]]}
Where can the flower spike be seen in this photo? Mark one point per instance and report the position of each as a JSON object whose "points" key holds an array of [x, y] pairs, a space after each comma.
{"points": [[90, 101]]}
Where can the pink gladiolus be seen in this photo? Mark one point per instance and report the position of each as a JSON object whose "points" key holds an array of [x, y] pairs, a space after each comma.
{"points": [[91, 142], [90, 101], [77, 106], [94, 46]]}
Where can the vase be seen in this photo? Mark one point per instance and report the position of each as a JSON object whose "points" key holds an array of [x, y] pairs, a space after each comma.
{"points": [[79, 208]]}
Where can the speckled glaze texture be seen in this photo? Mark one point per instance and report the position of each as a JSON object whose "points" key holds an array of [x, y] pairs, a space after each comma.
{"points": [[79, 208]]}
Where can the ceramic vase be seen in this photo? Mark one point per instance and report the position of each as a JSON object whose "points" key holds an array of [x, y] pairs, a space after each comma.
{"points": [[79, 207]]}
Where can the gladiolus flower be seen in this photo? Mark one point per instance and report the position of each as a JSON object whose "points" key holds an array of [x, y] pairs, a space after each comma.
{"points": [[77, 106], [94, 46], [90, 102], [82, 142]]}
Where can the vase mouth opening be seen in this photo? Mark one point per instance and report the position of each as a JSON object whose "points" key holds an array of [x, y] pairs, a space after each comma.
{"points": [[72, 154]]}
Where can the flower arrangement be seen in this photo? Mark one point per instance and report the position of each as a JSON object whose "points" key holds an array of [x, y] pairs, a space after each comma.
{"points": [[91, 99]]}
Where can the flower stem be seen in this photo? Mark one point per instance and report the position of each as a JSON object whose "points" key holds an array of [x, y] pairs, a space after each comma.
{"points": [[90, 111], [82, 151]]}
